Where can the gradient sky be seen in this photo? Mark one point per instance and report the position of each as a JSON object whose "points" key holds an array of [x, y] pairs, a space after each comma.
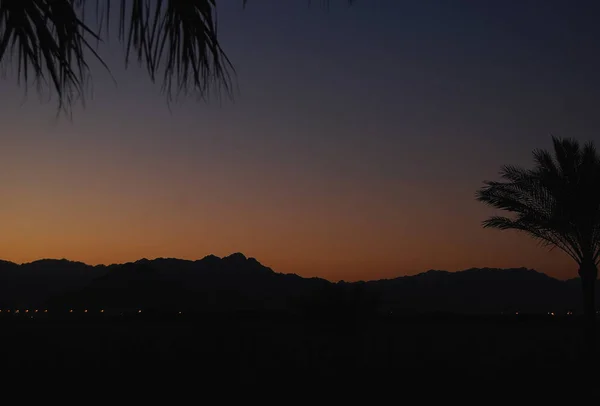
{"points": [[352, 151]]}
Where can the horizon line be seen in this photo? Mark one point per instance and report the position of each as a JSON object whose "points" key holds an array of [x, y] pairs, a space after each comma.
{"points": [[254, 258]]}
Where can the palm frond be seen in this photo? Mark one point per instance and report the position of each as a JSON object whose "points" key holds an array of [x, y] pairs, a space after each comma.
{"points": [[557, 201], [567, 155], [175, 40], [546, 237], [47, 39], [545, 162]]}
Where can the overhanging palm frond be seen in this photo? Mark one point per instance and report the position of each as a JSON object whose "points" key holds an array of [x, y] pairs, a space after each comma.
{"points": [[48, 41], [556, 202], [176, 40]]}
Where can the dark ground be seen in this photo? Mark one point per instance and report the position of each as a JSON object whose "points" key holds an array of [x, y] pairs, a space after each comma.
{"points": [[253, 349]]}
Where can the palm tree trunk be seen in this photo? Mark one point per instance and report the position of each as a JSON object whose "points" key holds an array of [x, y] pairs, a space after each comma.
{"points": [[588, 273]]}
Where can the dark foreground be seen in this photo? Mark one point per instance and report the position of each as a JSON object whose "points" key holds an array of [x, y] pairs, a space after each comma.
{"points": [[278, 348]]}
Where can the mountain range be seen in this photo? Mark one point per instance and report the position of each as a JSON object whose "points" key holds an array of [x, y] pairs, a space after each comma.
{"points": [[236, 282]]}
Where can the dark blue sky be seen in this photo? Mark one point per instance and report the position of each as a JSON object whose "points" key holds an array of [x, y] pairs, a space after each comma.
{"points": [[353, 148]]}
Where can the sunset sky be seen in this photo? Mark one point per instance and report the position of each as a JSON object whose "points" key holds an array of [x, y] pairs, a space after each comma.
{"points": [[353, 149]]}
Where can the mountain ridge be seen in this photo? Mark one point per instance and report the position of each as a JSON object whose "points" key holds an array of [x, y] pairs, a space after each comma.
{"points": [[239, 282], [215, 257]]}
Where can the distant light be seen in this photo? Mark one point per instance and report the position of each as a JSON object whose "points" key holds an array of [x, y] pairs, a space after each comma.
{"points": [[516, 313], [71, 311], [102, 311], [46, 311], [26, 310], [85, 311], [35, 310], [552, 314], [17, 311], [139, 311], [8, 311], [179, 312]]}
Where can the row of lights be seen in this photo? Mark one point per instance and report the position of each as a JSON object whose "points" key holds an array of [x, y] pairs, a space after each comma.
{"points": [[46, 311], [569, 313], [26, 311]]}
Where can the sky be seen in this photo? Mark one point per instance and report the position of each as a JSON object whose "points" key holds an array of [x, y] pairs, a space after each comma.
{"points": [[352, 149]]}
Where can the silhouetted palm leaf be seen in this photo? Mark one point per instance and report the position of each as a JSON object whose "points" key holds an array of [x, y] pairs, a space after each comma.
{"points": [[557, 202], [176, 40], [48, 40]]}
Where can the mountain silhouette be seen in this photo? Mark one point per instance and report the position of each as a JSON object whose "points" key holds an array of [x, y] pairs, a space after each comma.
{"points": [[212, 283], [235, 283], [479, 291], [32, 284]]}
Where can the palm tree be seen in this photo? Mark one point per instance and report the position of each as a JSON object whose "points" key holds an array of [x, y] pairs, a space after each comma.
{"points": [[558, 203], [51, 42]]}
